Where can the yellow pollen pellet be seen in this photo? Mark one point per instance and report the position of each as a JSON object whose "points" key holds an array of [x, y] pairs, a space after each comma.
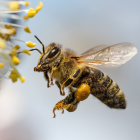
{"points": [[31, 13], [2, 44], [39, 7], [30, 44], [27, 51], [13, 5], [1, 65], [25, 17], [22, 79], [17, 47], [27, 3], [82, 92], [15, 60], [26, 29]]}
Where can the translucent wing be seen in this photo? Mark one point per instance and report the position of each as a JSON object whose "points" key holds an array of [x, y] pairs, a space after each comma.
{"points": [[95, 49], [110, 56]]}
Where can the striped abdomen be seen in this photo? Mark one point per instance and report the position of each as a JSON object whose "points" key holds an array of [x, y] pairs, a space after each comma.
{"points": [[106, 90]]}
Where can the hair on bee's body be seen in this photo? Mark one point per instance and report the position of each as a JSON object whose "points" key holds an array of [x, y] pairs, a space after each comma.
{"points": [[102, 87], [100, 84], [79, 73]]}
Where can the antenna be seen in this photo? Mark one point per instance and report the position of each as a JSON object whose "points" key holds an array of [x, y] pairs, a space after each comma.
{"points": [[41, 43], [32, 50]]}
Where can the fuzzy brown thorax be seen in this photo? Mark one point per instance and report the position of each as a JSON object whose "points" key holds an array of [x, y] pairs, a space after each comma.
{"points": [[67, 66]]}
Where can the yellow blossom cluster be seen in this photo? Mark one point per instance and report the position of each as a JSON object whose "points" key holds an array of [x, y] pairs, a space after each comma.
{"points": [[8, 31]]}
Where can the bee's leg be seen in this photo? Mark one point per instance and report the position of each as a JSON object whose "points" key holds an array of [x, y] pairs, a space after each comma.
{"points": [[65, 84], [61, 105], [47, 78], [62, 110], [52, 81], [59, 86], [54, 112], [80, 94], [71, 89], [53, 69], [70, 98], [70, 80], [69, 103], [73, 106]]}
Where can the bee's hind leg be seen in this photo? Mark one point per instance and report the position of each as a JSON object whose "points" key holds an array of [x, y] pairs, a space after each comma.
{"points": [[61, 105], [69, 103], [47, 78], [59, 86], [62, 110]]}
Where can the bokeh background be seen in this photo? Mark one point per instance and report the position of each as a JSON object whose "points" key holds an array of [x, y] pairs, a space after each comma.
{"points": [[26, 109]]}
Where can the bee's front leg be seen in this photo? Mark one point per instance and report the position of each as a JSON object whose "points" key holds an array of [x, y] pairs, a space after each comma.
{"points": [[59, 86], [51, 75], [47, 78], [54, 67]]}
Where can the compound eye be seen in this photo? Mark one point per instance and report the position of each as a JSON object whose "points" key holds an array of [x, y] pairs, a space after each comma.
{"points": [[53, 52]]}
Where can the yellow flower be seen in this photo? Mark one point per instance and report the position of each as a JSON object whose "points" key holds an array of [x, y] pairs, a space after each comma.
{"points": [[39, 7], [17, 47], [26, 29], [27, 51], [13, 52], [1, 65], [31, 13], [30, 44], [15, 60], [13, 76], [2, 44], [22, 79], [7, 30], [13, 5]]}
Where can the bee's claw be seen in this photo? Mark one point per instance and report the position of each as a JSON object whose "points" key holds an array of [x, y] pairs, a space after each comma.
{"points": [[52, 82], [54, 113], [62, 110], [48, 85], [62, 93]]}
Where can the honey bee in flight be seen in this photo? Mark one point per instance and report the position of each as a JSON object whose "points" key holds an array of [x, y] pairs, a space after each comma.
{"points": [[80, 73]]}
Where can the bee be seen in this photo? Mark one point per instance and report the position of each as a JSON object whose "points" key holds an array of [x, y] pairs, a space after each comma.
{"points": [[81, 74]]}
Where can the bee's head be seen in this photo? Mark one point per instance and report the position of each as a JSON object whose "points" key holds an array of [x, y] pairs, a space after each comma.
{"points": [[48, 56]]}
